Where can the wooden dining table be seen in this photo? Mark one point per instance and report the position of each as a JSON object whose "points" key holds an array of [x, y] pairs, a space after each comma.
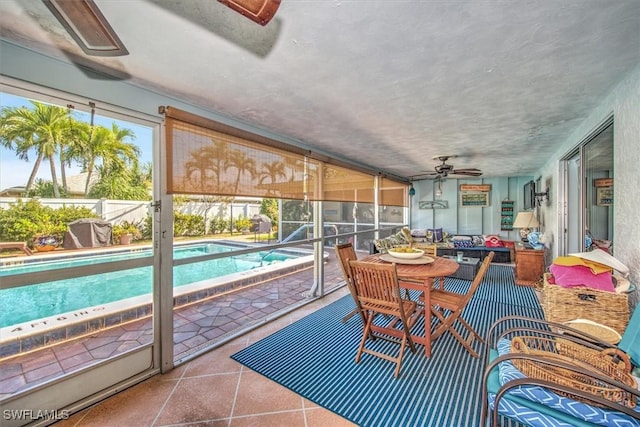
{"points": [[419, 277]]}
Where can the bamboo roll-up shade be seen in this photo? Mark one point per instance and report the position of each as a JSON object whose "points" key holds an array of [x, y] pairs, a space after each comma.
{"points": [[392, 192], [205, 157], [204, 161], [346, 185]]}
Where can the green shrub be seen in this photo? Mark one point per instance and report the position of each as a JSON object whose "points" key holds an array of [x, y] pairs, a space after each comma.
{"points": [[218, 225], [67, 214], [126, 227], [146, 227], [242, 223], [187, 224], [24, 220], [269, 207]]}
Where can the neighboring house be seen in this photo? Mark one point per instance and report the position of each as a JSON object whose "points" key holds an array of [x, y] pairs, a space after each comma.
{"points": [[75, 187]]}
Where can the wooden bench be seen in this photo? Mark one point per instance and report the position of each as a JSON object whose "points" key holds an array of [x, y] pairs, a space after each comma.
{"points": [[16, 245]]}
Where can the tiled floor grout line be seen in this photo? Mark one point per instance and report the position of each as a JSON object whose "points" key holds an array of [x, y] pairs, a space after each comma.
{"points": [[166, 401], [304, 412], [235, 396]]}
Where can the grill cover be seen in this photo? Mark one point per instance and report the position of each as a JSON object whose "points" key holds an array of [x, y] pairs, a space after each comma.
{"points": [[261, 223], [88, 233]]}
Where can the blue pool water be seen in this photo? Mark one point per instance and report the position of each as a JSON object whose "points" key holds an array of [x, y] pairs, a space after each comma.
{"points": [[26, 303]]}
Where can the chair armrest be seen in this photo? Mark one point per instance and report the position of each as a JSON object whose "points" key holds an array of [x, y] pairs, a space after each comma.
{"points": [[524, 323], [509, 326], [582, 394]]}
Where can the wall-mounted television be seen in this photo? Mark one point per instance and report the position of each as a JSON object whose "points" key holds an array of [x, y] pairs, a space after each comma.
{"points": [[529, 195]]}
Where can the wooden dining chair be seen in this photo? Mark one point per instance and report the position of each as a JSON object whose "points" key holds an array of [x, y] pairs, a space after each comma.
{"points": [[448, 306], [346, 253], [431, 249], [378, 293]]}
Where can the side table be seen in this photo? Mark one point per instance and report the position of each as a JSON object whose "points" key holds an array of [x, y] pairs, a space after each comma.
{"points": [[468, 267], [530, 265]]}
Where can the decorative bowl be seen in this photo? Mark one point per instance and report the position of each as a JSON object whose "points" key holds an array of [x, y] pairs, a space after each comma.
{"points": [[406, 253]]}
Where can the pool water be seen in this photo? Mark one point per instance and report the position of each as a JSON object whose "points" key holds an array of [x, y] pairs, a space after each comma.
{"points": [[27, 303]]}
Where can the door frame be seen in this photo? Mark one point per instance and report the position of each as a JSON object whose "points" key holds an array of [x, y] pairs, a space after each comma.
{"points": [[566, 207]]}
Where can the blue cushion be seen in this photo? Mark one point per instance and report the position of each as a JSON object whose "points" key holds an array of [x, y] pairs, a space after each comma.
{"points": [[573, 408], [524, 410], [463, 244]]}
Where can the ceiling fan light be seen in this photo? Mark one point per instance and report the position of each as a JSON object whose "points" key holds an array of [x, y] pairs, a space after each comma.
{"points": [[438, 192], [88, 27]]}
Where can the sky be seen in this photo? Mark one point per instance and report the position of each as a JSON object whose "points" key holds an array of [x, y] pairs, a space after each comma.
{"points": [[15, 172]]}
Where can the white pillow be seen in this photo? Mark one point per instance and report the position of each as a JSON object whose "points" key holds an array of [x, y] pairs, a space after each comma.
{"points": [[603, 257]]}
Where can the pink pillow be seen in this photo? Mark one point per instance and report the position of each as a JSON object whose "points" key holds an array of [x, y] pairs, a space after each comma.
{"points": [[579, 275]]}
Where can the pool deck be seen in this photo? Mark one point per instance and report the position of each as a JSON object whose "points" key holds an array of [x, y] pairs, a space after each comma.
{"points": [[196, 326]]}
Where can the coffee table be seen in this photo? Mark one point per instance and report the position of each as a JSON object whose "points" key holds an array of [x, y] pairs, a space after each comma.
{"points": [[468, 267]]}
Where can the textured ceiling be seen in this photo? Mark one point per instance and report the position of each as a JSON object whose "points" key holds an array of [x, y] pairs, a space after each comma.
{"points": [[387, 83]]}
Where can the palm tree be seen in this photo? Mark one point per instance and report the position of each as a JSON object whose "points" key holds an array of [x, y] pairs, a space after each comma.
{"points": [[217, 154], [118, 149], [98, 145], [41, 129], [123, 182], [199, 165], [211, 158], [272, 171], [244, 164]]}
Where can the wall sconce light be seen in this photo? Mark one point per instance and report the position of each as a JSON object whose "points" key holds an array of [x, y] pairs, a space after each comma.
{"points": [[542, 197]]}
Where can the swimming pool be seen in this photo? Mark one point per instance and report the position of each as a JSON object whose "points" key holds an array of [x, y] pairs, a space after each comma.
{"points": [[27, 303]]}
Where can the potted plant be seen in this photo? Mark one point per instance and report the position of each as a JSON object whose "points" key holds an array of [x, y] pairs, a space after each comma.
{"points": [[125, 232], [48, 236]]}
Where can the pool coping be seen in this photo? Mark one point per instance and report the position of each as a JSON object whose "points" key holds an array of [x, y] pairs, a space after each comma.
{"points": [[28, 336]]}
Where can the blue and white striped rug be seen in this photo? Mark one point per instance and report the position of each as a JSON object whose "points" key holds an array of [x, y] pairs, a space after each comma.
{"points": [[314, 357]]}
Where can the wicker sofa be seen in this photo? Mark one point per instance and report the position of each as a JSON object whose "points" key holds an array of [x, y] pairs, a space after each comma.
{"points": [[473, 246]]}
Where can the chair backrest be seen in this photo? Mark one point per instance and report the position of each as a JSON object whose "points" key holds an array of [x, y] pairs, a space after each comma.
{"points": [[431, 250], [346, 253], [479, 276], [376, 286], [630, 342]]}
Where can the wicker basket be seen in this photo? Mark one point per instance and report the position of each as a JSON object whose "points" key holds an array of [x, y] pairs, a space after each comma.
{"points": [[573, 354], [564, 304]]}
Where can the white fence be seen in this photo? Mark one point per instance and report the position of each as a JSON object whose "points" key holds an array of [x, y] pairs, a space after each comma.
{"points": [[117, 211]]}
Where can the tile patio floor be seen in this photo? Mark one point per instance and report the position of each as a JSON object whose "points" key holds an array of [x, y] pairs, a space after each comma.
{"points": [[196, 326], [214, 390]]}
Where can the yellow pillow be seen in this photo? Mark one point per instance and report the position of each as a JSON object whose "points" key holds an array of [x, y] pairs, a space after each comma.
{"points": [[596, 268]]}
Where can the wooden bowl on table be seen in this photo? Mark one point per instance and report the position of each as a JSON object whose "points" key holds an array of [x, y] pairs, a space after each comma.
{"points": [[406, 252]]}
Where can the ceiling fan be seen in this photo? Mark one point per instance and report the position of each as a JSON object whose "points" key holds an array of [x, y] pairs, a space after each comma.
{"points": [[443, 169]]}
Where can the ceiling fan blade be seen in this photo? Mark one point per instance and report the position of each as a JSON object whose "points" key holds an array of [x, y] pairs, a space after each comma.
{"points": [[425, 175], [468, 172]]}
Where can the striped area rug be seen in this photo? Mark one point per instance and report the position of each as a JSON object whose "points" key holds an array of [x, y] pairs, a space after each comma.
{"points": [[314, 357]]}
